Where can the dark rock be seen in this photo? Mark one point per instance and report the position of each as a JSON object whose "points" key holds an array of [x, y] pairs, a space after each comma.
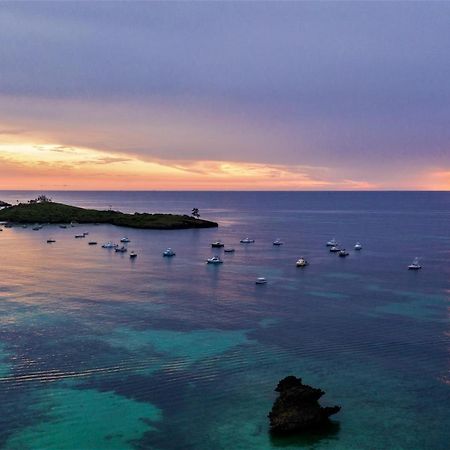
{"points": [[2, 204], [297, 408]]}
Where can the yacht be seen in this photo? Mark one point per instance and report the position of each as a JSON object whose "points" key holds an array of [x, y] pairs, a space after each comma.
{"points": [[335, 249], [120, 249], [109, 245], [247, 241], [261, 280], [277, 242], [50, 241], [125, 240], [332, 243], [214, 260], [302, 262], [358, 246], [415, 265], [229, 250], [169, 252], [343, 253], [133, 255], [217, 244]]}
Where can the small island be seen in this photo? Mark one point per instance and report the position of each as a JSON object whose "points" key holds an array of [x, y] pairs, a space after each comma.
{"points": [[57, 213], [297, 408]]}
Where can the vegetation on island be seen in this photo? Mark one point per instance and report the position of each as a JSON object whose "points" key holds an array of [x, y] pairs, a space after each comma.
{"points": [[43, 210]]}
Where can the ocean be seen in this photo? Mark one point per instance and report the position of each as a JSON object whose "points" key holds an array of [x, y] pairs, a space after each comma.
{"points": [[98, 351]]}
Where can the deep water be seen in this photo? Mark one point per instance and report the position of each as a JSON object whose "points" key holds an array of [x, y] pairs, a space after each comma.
{"points": [[98, 351]]}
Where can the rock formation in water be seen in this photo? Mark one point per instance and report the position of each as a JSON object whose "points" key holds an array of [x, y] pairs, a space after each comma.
{"points": [[297, 408]]}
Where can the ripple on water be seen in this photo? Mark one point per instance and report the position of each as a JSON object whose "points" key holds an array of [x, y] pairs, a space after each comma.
{"points": [[85, 419]]}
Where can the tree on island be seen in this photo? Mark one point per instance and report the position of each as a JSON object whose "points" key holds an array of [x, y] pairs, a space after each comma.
{"points": [[41, 199], [195, 213]]}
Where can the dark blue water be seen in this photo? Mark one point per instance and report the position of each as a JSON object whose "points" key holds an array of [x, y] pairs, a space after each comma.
{"points": [[97, 351]]}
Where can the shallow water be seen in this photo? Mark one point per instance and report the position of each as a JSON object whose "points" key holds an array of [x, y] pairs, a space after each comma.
{"points": [[97, 351]]}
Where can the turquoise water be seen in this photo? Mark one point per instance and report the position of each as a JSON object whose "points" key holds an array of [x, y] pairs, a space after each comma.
{"points": [[100, 352]]}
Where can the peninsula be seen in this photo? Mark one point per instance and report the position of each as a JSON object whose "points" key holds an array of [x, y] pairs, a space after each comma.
{"points": [[58, 213]]}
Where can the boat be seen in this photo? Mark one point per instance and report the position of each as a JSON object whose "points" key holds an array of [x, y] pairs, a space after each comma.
{"points": [[358, 246], [229, 250], [120, 249], [277, 242], [168, 252], [133, 255], [85, 233], [302, 262], [125, 240], [261, 280], [334, 249], [79, 236], [247, 241], [24, 226], [332, 243], [8, 225], [50, 241], [343, 253], [217, 244], [214, 260], [109, 245], [92, 243], [415, 265], [36, 227], [63, 226]]}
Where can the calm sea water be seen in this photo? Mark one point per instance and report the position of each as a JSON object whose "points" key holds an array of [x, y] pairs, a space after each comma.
{"points": [[101, 352]]}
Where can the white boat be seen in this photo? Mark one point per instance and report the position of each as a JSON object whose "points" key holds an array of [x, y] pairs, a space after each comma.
{"points": [[302, 262], [334, 249], [332, 243], [169, 252], [214, 260], [247, 241], [261, 280], [109, 245], [415, 265], [217, 244], [358, 246], [120, 249], [36, 227], [125, 240], [277, 242], [343, 253], [24, 226], [228, 250], [85, 233], [133, 255], [79, 236]]}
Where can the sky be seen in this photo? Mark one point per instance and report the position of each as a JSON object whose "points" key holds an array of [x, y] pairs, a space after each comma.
{"points": [[225, 95]]}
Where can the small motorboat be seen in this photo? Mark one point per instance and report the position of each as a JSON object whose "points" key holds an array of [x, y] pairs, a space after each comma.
{"points": [[229, 250], [302, 262], [415, 265], [168, 252], [120, 249], [24, 226], [335, 249], [109, 245], [133, 255], [261, 280], [79, 236], [50, 241], [36, 227], [247, 241], [92, 243], [217, 244], [343, 253], [358, 246], [214, 260], [8, 225], [277, 242], [125, 240], [332, 243], [63, 226], [86, 233]]}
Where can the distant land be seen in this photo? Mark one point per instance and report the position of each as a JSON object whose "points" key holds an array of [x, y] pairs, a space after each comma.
{"points": [[58, 213]]}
